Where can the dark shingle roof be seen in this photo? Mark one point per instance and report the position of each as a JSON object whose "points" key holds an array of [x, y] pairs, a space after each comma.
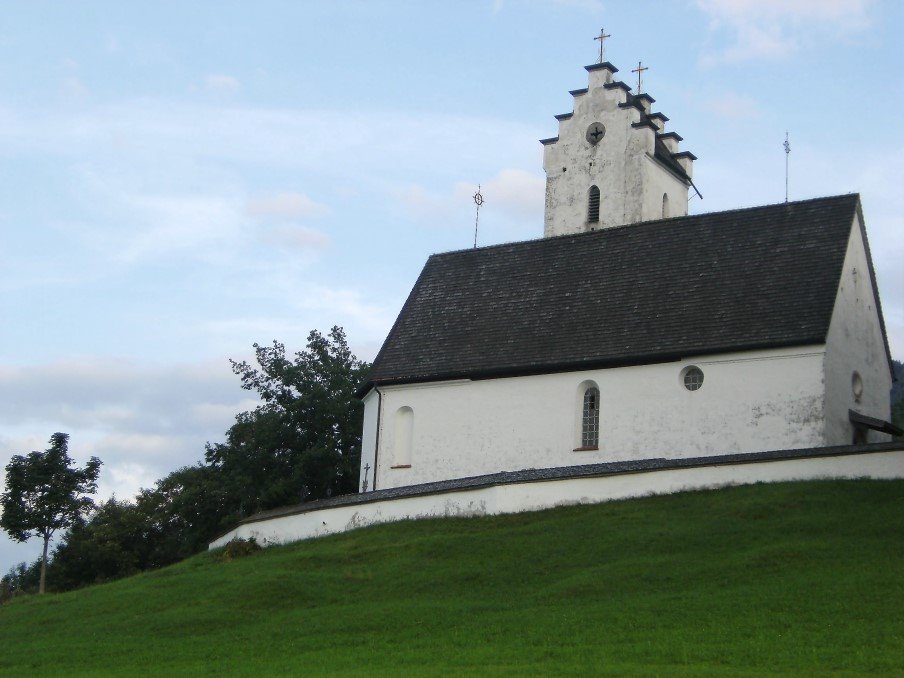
{"points": [[735, 280]]}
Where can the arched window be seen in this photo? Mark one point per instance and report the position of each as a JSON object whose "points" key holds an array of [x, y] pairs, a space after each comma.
{"points": [[593, 206], [590, 418], [665, 205], [403, 438]]}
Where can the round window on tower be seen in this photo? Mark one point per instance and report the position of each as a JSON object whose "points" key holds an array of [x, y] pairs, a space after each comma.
{"points": [[595, 132], [857, 386], [692, 378]]}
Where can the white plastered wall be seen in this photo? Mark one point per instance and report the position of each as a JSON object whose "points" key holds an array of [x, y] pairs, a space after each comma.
{"points": [[658, 181], [532, 496], [855, 343], [621, 165], [749, 402]]}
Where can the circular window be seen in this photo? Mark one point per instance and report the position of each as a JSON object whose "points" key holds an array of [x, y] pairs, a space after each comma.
{"points": [[595, 132], [692, 378], [857, 386]]}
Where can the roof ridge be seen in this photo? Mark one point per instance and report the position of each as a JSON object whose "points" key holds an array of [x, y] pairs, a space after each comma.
{"points": [[636, 224]]}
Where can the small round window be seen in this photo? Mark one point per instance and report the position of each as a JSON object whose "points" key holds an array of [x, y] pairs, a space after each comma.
{"points": [[857, 386], [692, 377]]}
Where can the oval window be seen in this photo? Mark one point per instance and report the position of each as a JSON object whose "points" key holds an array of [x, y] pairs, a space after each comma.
{"points": [[857, 385], [692, 378]]}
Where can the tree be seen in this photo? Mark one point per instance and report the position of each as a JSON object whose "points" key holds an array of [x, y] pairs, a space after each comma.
{"points": [[304, 441], [111, 543], [176, 518], [44, 493], [23, 578], [183, 513]]}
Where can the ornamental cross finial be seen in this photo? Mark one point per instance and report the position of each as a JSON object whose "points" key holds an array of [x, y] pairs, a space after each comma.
{"points": [[787, 146], [639, 70], [602, 38], [478, 200]]}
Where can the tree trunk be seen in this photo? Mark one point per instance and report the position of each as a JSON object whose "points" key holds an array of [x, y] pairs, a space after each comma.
{"points": [[44, 564]]}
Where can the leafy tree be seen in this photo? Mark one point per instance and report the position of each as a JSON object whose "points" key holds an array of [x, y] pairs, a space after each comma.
{"points": [[111, 543], [183, 513], [44, 493], [304, 441], [175, 519]]}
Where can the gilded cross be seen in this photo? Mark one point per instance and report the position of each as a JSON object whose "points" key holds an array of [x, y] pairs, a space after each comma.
{"points": [[639, 70], [602, 38]]}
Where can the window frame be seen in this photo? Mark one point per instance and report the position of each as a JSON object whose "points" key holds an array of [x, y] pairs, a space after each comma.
{"points": [[590, 419], [593, 206]]}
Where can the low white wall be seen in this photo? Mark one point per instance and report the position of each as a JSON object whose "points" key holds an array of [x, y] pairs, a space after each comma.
{"points": [[531, 496]]}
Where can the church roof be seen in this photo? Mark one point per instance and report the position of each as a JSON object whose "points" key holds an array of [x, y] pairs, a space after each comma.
{"points": [[756, 278]]}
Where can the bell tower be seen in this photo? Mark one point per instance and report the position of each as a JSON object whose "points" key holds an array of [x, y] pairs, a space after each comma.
{"points": [[612, 162]]}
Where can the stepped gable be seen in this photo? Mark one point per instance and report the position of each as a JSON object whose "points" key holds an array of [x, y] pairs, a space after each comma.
{"points": [[756, 278], [611, 141]]}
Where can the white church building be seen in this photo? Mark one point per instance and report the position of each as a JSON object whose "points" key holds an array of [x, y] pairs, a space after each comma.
{"points": [[632, 350], [631, 330]]}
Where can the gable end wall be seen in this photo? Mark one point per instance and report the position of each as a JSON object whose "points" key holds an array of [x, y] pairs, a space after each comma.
{"points": [[855, 342]]}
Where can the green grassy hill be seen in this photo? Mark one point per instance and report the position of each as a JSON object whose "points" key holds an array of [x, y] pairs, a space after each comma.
{"points": [[788, 579]]}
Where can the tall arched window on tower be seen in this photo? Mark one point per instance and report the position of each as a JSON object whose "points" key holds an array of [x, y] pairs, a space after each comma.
{"points": [[590, 419], [665, 205], [593, 206]]}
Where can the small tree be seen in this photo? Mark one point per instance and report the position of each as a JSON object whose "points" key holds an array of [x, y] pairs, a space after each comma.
{"points": [[44, 493]]}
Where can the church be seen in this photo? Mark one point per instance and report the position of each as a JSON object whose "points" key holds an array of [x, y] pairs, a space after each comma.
{"points": [[631, 330]]}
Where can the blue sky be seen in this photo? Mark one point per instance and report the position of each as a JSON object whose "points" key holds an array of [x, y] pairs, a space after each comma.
{"points": [[181, 180]]}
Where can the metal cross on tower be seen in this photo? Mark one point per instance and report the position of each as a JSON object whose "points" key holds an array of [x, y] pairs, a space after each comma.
{"points": [[787, 146], [478, 200], [639, 70], [602, 38]]}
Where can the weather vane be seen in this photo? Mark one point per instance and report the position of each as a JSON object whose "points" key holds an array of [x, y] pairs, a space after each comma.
{"points": [[478, 200], [787, 146], [602, 38], [639, 70]]}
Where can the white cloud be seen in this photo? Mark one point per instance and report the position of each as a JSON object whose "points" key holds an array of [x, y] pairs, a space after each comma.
{"points": [[734, 106], [348, 304], [298, 237], [223, 84], [774, 29], [133, 223], [143, 422], [127, 479], [517, 193], [592, 6], [289, 204], [512, 196]]}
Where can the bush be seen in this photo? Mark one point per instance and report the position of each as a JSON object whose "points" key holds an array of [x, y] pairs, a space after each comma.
{"points": [[239, 548]]}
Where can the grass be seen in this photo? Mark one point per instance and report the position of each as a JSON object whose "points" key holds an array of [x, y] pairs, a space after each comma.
{"points": [[783, 579]]}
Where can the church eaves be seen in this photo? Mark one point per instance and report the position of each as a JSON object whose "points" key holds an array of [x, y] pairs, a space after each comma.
{"points": [[755, 278]]}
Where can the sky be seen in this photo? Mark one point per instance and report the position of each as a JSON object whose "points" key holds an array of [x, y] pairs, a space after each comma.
{"points": [[181, 180]]}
